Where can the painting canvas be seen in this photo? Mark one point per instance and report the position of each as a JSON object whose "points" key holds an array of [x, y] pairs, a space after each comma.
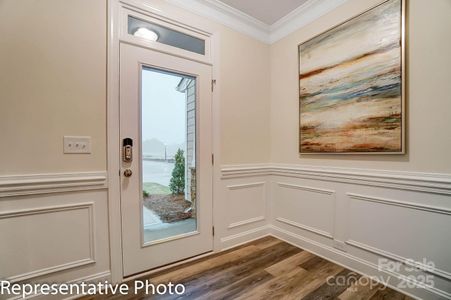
{"points": [[351, 85]]}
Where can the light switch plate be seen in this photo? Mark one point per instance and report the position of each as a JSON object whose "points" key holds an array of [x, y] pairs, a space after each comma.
{"points": [[77, 144]]}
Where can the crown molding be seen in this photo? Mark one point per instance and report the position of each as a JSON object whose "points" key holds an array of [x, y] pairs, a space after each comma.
{"points": [[226, 15], [244, 23], [301, 16]]}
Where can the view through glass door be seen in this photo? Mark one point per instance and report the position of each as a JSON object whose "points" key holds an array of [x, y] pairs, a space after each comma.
{"points": [[166, 192], [168, 130]]}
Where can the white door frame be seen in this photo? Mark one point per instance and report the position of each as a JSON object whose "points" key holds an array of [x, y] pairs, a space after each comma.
{"points": [[173, 15]]}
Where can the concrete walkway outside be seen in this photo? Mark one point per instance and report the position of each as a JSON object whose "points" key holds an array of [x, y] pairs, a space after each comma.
{"points": [[155, 229]]}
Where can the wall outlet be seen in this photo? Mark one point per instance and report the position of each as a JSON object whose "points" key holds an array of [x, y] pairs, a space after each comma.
{"points": [[77, 144], [340, 245]]}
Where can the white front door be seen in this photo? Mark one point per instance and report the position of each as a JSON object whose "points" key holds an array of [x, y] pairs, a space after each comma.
{"points": [[166, 174]]}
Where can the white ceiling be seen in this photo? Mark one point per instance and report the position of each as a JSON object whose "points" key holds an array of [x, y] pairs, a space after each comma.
{"points": [[267, 11], [265, 20]]}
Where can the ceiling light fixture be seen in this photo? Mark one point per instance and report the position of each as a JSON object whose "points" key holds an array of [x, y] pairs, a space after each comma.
{"points": [[146, 34]]}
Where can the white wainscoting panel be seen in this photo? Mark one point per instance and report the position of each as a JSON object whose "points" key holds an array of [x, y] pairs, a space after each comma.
{"points": [[359, 218], [246, 203], [402, 231], [305, 207], [47, 240], [53, 229], [241, 211]]}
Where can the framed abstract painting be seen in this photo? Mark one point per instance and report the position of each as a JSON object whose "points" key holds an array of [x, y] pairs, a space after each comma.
{"points": [[351, 85]]}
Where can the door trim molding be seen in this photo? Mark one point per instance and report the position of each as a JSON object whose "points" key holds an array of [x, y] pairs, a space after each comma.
{"points": [[113, 142], [113, 145]]}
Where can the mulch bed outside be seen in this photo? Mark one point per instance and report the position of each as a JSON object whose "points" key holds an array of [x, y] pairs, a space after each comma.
{"points": [[170, 208]]}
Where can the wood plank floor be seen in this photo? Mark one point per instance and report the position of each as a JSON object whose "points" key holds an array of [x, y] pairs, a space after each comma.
{"points": [[264, 269]]}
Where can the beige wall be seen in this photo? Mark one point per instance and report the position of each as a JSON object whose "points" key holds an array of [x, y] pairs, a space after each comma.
{"points": [[53, 83], [428, 91], [244, 76]]}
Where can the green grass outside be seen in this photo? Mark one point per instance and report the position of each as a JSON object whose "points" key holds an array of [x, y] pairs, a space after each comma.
{"points": [[156, 188]]}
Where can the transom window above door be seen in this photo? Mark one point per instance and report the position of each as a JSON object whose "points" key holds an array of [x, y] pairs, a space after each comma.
{"points": [[145, 29], [165, 35]]}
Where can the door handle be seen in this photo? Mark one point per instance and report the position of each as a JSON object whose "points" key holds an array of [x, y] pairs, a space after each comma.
{"points": [[128, 172]]}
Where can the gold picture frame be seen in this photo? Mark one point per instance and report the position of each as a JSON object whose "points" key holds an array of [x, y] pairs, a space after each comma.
{"points": [[335, 91]]}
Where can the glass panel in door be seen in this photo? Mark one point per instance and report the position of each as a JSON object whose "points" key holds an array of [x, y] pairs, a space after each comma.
{"points": [[168, 152]]}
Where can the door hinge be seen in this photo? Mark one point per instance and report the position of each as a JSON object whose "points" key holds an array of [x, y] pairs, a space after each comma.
{"points": [[213, 83], [213, 230], [212, 159]]}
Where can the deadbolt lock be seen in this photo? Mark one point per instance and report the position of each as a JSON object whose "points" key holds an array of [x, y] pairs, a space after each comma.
{"points": [[127, 150]]}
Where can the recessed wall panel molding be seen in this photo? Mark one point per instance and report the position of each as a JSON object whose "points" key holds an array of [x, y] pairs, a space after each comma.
{"points": [[305, 207], [402, 231], [246, 203], [47, 240]]}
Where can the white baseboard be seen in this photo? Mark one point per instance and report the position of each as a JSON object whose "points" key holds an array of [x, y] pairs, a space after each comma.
{"points": [[355, 264], [244, 237], [99, 277]]}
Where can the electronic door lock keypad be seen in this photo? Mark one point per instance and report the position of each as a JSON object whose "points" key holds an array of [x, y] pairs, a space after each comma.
{"points": [[127, 150]]}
